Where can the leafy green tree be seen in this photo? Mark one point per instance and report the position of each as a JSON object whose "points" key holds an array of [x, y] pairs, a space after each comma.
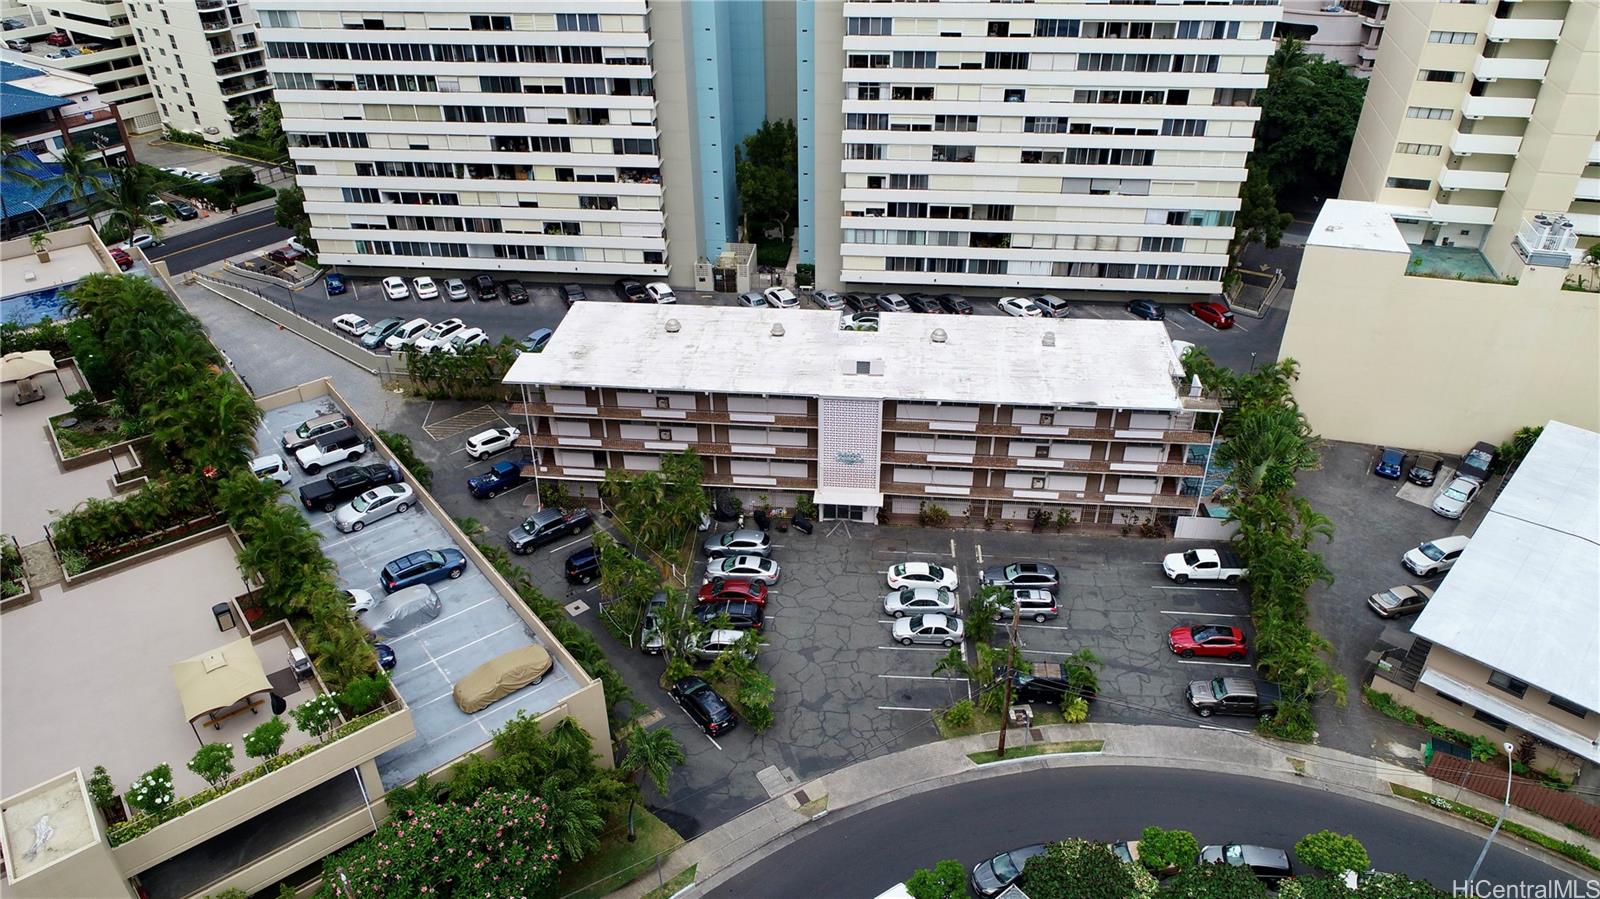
{"points": [[101, 790], [1309, 113], [1511, 453], [766, 172], [652, 753], [363, 693], [316, 715], [213, 762], [128, 202], [1259, 220], [1082, 870], [1332, 853], [1160, 849], [945, 880], [290, 212], [237, 179]]}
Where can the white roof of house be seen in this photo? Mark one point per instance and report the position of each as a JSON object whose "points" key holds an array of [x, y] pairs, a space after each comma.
{"points": [[1357, 225], [1523, 598], [982, 359]]}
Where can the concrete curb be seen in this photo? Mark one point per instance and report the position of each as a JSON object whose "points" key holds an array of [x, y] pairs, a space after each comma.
{"points": [[728, 850]]}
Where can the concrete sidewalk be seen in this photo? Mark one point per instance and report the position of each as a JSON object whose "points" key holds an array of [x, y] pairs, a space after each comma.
{"points": [[722, 853]]}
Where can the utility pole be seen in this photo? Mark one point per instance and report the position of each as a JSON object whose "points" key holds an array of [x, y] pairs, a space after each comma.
{"points": [[1011, 666]]}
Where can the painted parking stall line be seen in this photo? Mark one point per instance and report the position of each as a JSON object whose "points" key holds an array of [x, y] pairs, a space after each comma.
{"points": [[1189, 587], [1201, 614], [1213, 662]]}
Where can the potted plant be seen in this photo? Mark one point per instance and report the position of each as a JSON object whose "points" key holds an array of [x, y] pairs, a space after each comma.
{"points": [[37, 241]]}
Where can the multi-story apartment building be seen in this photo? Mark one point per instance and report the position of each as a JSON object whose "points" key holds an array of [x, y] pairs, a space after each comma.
{"points": [[1507, 646], [203, 60], [103, 49], [986, 417], [1058, 145], [1335, 31], [1481, 117], [46, 111], [515, 136]]}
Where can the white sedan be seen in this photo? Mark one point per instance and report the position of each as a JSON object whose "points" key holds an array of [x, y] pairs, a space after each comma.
{"points": [[1454, 499], [1020, 307], [919, 601], [465, 339], [922, 574], [781, 298], [435, 337], [352, 324], [660, 292], [373, 506], [395, 288], [940, 630], [358, 600], [753, 568], [426, 289], [484, 444]]}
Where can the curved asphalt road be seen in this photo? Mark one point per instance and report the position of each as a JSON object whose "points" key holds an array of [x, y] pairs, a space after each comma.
{"points": [[866, 853]]}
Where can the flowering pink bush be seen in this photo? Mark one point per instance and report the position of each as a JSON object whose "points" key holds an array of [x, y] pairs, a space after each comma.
{"points": [[498, 846]]}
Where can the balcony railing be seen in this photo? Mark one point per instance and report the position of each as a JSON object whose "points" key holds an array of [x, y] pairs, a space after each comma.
{"points": [[1026, 495], [1493, 69], [919, 426], [1496, 144], [229, 90], [704, 448], [1456, 179], [632, 413], [1049, 466], [1502, 30], [1503, 107]]}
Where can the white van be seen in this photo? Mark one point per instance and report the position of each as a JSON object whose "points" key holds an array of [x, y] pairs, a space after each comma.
{"points": [[407, 334]]}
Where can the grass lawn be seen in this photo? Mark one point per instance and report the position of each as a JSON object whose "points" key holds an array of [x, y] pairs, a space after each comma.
{"points": [[1022, 752], [94, 431], [618, 862], [1574, 851], [679, 881]]}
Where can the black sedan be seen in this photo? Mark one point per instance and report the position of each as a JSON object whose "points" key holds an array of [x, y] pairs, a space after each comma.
{"points": [[708, 709], [516, 294], [924, 303], [861, 302], [744, 616], [955, 304]]}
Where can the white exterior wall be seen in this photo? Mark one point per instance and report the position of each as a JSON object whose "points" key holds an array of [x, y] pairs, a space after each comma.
{"points": [[119, 74], [431, 190], [1099, 195], [201, 57]]}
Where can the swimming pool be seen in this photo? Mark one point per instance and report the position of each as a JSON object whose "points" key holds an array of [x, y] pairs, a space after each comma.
{"points": [[32, 308]]}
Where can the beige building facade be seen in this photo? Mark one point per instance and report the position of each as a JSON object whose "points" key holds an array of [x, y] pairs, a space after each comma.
{"points": [[1480, 117], [1388, 356], [204, 61]]}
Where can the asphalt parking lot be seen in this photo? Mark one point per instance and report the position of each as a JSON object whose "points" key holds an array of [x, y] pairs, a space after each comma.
{"points": [[476, 623], [1250, 342]]}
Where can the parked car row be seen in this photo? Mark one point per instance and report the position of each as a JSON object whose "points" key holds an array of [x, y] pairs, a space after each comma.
{"points": [[994, 875], [1424, 468]]}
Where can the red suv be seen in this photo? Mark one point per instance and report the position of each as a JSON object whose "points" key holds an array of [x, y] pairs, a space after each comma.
{"points": [[121, 258], [734, 589], [1214, 314], [1217, 640], [59, 39]]}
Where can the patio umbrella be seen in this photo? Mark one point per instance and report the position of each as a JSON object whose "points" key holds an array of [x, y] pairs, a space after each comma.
{"points": [[16, 366]]}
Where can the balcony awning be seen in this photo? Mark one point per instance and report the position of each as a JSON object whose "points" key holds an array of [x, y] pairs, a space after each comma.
{"points": [[219, 678], [1514, 715], [848, 496]]}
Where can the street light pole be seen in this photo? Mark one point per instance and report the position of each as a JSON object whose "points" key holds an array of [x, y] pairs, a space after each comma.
{"points": [[1506, 807]]}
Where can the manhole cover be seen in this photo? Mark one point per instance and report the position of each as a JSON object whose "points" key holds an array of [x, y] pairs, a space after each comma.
{"points": [[576, 607], [1036, 735], [801, 797]]}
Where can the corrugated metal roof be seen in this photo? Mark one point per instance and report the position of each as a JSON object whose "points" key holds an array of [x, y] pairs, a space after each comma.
{"points": [[16, 101]]}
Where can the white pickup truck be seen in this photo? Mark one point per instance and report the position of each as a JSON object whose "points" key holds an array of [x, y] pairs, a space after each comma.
{"points": [[1204, 565]]}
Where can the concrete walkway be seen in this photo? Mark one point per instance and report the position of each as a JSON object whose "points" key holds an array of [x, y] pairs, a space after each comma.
{"points": [[722, 853]]}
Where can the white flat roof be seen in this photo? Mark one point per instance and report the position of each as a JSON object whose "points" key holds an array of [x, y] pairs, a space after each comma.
{"points": [[1523, 597], [1357, 225], [983, 359]]}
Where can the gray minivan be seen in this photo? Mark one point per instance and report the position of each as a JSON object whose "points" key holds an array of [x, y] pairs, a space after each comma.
{"points": [[1052, 305]]}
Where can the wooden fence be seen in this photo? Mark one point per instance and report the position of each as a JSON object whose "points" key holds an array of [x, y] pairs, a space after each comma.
{"points": [[1490, 780]]}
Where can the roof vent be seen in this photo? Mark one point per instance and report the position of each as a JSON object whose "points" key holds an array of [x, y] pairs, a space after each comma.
{"points": [[777, 330], [939, 336], [672, 326], [1049, 338]]}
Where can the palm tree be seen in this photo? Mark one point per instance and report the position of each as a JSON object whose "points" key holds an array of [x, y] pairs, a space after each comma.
{"points": [[653, 753], [576, 816], [82, 176], [1287, 64], [129, 203], [16, 167]]}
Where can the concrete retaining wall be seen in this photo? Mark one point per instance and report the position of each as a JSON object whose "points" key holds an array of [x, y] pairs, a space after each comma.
{"points": [[373, 363]]}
